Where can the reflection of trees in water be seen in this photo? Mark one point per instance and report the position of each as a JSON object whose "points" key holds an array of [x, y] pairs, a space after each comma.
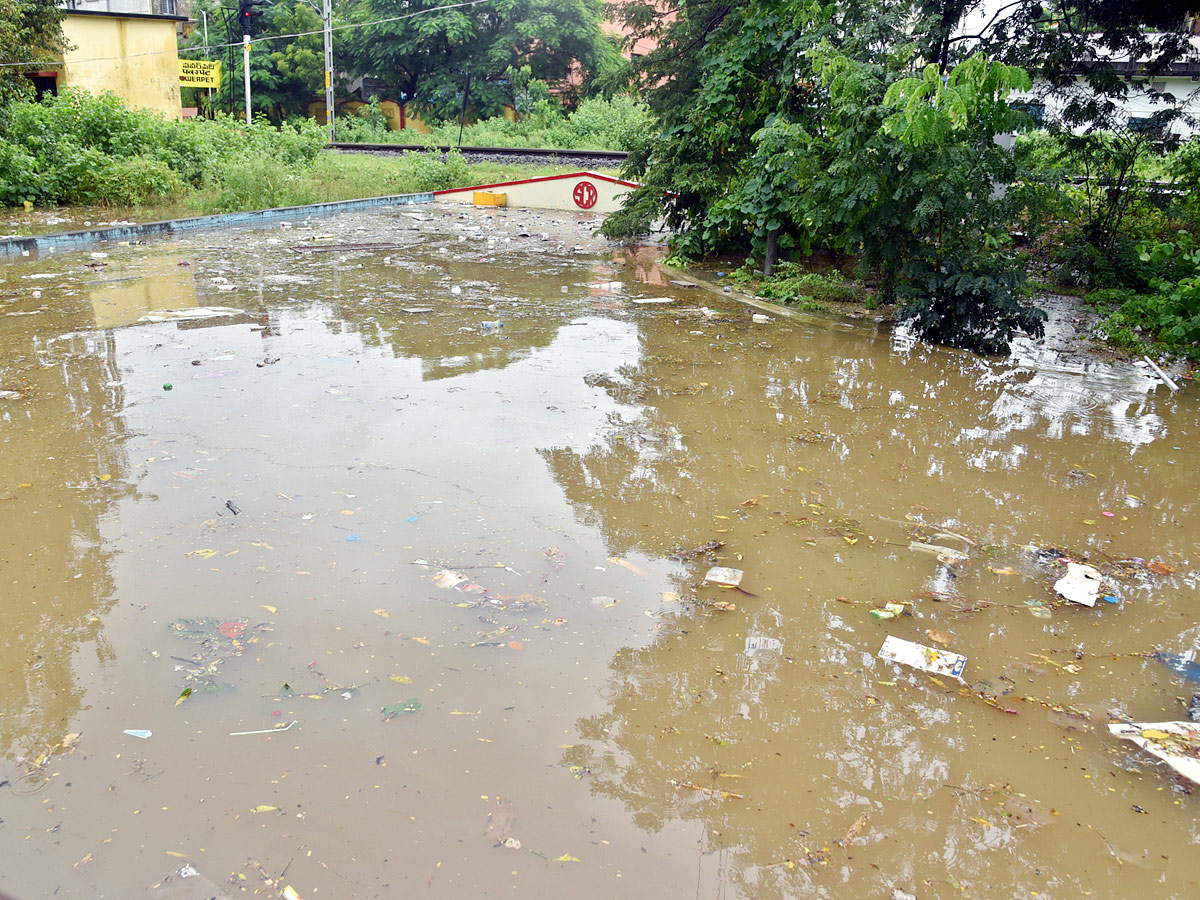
{"points": [[827, 437], [66, 439], [691, 717]]}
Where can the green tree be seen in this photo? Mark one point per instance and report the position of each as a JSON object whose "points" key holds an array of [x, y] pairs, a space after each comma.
{"points": [[802, 121], [427, 57], [286, 73], [30, 31]]}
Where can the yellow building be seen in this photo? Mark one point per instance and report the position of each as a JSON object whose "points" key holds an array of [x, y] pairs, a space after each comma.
{"points": [[127, 47]]}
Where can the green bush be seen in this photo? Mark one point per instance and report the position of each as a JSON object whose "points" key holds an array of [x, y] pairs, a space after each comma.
{"points": [[621, 123], [793, 285], [1184, 167], [79, 148]]}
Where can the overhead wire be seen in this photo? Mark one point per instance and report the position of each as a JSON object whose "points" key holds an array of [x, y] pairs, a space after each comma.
{"points": [[258, 40]]}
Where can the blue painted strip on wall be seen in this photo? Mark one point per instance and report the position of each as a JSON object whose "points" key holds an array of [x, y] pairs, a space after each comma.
{"points": [[79, 240]]}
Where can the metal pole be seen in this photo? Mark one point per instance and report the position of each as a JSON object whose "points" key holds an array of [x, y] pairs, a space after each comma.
{"points": [[327, 17], [204, 12], [246, 71]]}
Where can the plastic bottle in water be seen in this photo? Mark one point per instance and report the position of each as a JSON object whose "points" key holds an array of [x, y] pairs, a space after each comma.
{"points": [[490, 328]]}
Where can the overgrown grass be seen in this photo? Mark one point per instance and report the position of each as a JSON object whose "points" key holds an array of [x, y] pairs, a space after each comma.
{"points": [[81, 150], [349, 176], [597, 124]]}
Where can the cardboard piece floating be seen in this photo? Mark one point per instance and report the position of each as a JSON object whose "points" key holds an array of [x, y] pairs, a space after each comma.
{"points": [[1175, 743], [927, 659]]}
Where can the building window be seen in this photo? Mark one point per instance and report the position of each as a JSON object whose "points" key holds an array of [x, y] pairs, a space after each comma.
{"points": [[1154, 127]]}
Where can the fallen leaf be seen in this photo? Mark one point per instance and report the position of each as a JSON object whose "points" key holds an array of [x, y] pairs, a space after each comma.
{"points": [[203, 554], [559, 622], [1159, 568], [515, 645], [187, 692], [69, 742], [566, 857], [175, 854], [262, 544], [382, 613], [724, 605], [938, 637], [264, 808], [270, 609], [87, 859], [401, 679], [746, 504]]}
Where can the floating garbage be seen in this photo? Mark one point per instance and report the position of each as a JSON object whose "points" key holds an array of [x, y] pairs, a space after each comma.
{"points": [[760, 319], [648, 300], [1175, 743], [891, 611], [195, 312], [757, 643], [490, 328], [139, 733], [947, 555], [723, 575], [927, 659], [1180, 665], [275, 730], [186, 883], [1080, 585], [405, 708]]}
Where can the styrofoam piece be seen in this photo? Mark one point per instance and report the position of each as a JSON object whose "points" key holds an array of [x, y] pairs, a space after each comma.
{"points": [[725, 576], [927, 659], [646, 300], [1175, 743], [1080, 585]]}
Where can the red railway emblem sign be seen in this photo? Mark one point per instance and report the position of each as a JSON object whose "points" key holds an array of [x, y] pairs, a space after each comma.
{"points": [[585, 195]]}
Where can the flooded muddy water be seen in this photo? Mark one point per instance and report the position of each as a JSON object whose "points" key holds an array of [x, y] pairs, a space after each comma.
{"points": [[413, 602]]}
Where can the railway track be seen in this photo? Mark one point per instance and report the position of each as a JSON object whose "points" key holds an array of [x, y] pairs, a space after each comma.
{"points": [[605, 158]]}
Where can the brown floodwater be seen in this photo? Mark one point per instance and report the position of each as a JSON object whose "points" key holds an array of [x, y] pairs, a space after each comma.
{"points": [[449, 554]]}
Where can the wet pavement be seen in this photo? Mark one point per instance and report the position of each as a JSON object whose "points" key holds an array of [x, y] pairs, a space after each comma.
{"points": [[441, 488]]}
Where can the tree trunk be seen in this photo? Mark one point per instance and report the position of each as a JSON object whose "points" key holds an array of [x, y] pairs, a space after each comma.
{"points": [[771, 257]]}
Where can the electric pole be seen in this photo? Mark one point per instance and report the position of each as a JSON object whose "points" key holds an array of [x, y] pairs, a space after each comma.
{"points": [[327, 18], [248, 11]]}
